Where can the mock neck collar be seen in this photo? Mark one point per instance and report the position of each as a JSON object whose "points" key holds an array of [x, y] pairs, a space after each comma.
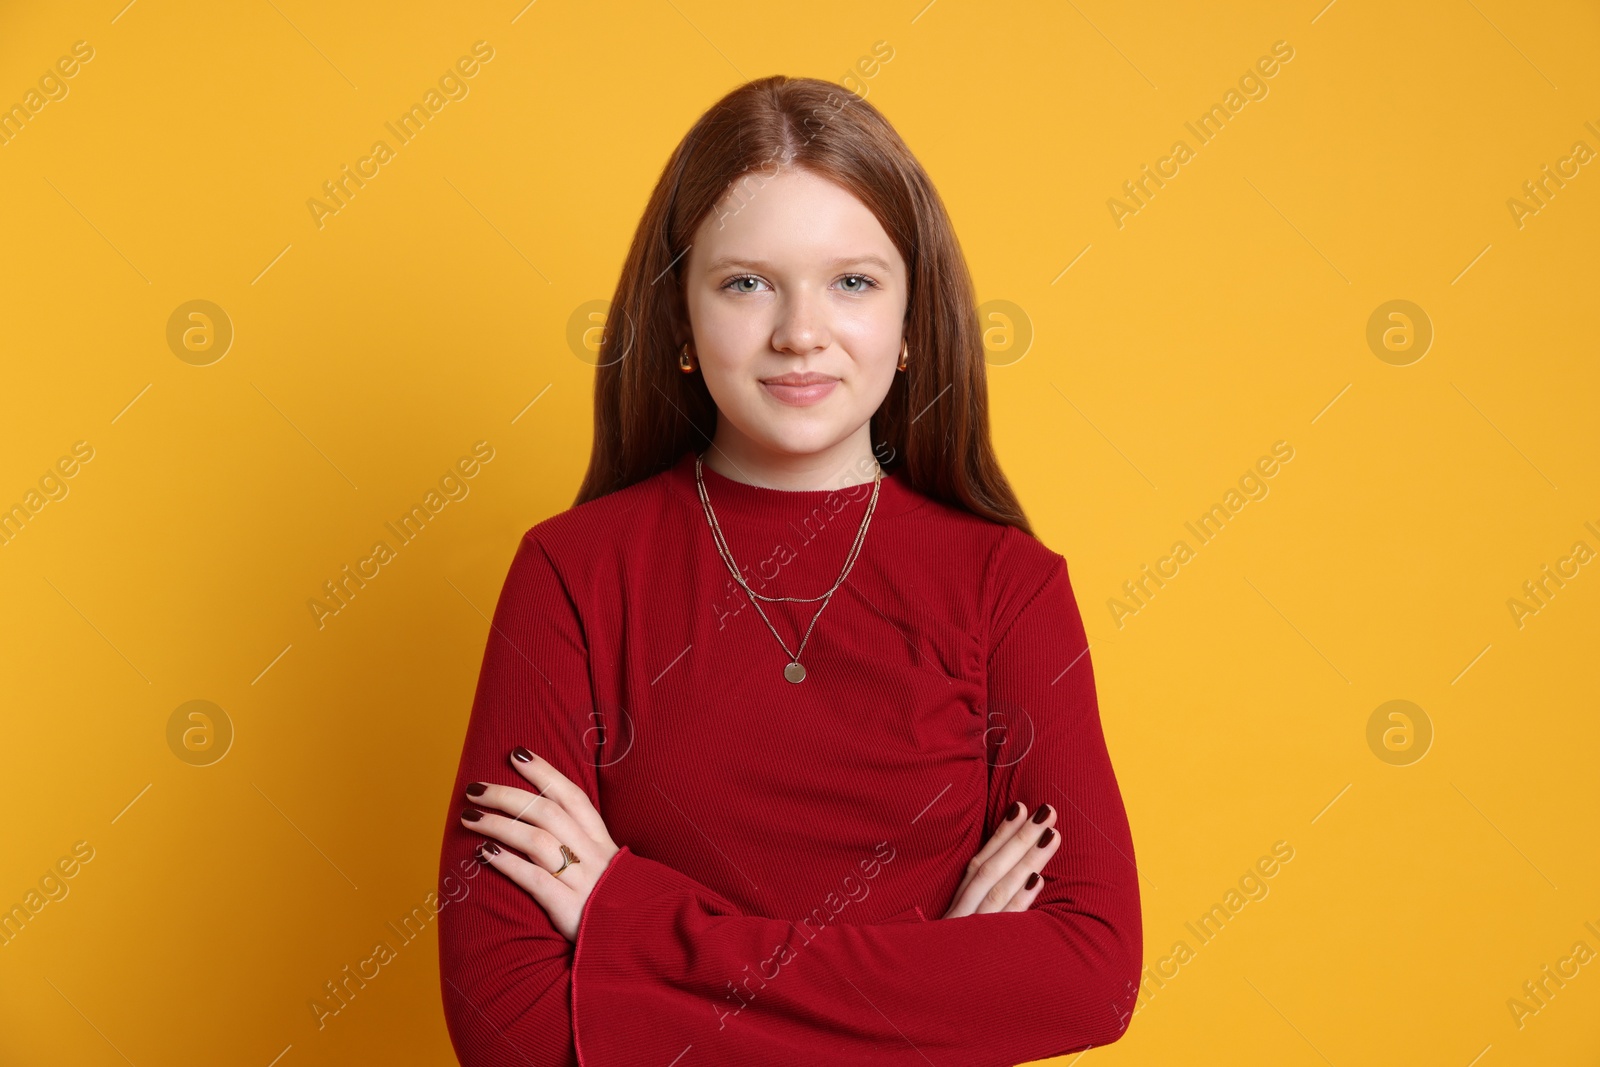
{"points": [[731, 499]]}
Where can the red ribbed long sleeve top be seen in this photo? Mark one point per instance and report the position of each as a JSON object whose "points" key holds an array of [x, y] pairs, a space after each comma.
{"points": [[786, 849]]}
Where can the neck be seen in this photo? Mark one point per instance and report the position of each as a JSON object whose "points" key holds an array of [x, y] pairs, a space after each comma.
{"points": [[849, 462]]}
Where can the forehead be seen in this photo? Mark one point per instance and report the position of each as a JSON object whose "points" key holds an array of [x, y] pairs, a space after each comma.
{"points": [[793, 218]]}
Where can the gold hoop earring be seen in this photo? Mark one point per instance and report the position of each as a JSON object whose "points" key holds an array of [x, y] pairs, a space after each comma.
{"points": [[685, 364], [903, 351]]}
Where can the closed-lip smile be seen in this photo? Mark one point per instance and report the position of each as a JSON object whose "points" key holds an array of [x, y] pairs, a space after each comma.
{"points": [[808, 378], [799, 389]]}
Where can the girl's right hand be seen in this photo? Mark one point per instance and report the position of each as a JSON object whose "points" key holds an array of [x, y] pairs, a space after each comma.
{"points": [[1004, 875]]}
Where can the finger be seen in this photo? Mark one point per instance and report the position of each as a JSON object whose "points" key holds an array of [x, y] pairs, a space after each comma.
{"points": [[1008, 824], [1032, 886], [998, 866], [544, 812], [1034, 863], [559, 900], [538, 844], [1002, 833], [1015, 881], [563, 790]]}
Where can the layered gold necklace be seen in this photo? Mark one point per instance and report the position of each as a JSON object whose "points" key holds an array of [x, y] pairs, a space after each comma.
{"points": [[793, 671]]}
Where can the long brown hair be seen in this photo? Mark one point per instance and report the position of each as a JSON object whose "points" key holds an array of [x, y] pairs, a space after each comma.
{"points": [[932, 427]]}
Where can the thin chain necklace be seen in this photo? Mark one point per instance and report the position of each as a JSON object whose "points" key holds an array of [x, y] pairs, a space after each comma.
{"points": [[793, 671]]}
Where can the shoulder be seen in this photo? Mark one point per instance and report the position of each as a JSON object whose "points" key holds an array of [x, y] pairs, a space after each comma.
{"points": [[1021, 570], [1013, 568], [588, 538], [1011, 560], [611, 517]]}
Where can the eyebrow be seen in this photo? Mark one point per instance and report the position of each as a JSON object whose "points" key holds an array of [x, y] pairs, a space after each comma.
{"points": [[725, 262]]}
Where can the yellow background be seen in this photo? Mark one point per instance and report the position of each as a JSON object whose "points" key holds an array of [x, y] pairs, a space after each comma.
{"points": [[1227, 314]]}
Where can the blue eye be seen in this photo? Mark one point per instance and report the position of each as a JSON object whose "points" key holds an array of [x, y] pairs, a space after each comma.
{"points": [[862, 283]]}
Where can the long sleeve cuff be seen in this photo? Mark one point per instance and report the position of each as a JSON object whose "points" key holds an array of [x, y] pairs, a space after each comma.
{"points": [[663, 965]]}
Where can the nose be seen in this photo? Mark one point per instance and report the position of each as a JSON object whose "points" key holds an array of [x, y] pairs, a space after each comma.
{"points": [[802, 326]]}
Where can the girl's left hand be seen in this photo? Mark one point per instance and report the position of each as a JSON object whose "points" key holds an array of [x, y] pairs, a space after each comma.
{"points": [[537, 825]]}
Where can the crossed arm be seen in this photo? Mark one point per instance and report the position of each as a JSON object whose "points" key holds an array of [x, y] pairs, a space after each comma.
{"points": [[664, 967]]}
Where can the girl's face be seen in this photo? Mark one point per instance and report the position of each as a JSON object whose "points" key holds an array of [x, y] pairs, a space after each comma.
{"points": [[797, 300]]}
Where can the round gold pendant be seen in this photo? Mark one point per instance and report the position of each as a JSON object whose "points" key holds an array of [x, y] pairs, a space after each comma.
{"points": [[794, 672]]}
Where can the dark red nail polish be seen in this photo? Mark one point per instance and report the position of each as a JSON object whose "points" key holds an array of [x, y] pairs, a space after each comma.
{"points": [[1017, 808], [1042, 814], [1046, 837], [491, 848], [1033, 880], [521, 755], [476, 789], [471, 814]]}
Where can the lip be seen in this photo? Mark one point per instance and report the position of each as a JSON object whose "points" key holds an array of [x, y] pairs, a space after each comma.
{"points": [[799, 390]]}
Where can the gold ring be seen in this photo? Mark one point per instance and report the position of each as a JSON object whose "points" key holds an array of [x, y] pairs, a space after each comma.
{"points": [[568, 858]]}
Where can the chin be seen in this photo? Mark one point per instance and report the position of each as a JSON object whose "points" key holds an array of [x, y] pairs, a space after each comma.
{"points": [[812, 440], [798, 448]]}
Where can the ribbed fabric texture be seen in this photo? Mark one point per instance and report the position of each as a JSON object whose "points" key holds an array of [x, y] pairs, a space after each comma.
{"points": [[787, 849]]}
